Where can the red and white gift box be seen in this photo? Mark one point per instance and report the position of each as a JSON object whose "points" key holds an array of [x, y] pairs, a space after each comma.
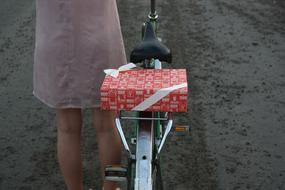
{"points": [[162, 90]]}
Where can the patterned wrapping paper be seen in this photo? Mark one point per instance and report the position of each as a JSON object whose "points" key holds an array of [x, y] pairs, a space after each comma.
{"points": [[132, 87]]}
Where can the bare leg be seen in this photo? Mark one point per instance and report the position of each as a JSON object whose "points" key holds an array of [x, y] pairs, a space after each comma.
{"points": [[108, 141], [69, 124]]}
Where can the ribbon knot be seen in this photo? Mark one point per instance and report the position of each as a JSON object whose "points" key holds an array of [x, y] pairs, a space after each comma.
{"points": [[115, 72]]}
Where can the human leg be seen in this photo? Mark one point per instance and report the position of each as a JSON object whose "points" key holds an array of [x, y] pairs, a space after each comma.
{"points": [[69, 124], [109, 142]]}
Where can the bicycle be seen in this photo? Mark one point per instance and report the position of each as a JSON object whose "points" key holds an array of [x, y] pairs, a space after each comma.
{"points": [[143, 171]]}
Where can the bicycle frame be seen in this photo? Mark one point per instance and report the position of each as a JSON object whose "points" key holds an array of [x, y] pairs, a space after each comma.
{"points": [[148, 148], [149, 138], [149, 142]]}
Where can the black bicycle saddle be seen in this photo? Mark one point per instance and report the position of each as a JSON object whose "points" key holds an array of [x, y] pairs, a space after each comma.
{"points": [[150, 47]]}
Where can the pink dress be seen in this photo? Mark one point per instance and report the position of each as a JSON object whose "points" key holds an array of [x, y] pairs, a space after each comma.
{"points": [[75, 41]]}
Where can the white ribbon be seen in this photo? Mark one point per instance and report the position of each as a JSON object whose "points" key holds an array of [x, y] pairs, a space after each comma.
{"points": [[115, 72], [161, 93]]}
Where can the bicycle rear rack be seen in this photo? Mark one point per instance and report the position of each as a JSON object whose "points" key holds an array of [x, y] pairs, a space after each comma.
{"points": [[168, 117]]}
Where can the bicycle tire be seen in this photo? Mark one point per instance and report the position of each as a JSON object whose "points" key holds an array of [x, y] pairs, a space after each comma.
{"points": [[131, 172], [156, 174], [157, 177]]}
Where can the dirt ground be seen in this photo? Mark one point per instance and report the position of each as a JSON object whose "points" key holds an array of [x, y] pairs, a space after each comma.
{"points": [[234, 52]]}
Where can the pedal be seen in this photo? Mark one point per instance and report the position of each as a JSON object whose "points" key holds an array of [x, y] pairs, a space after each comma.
{"points": [[182, 128], [115, 173]]}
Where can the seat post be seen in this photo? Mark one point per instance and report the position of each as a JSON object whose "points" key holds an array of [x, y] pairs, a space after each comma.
{"points": [[152, 9]]}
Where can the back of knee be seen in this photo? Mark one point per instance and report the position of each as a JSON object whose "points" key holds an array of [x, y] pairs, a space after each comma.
{"points": [[69, 121], [69, 128]]}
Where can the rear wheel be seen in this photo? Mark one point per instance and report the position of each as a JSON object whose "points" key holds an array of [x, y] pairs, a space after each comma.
{"points": [[156, 172], [131, 174], [156, 176]]}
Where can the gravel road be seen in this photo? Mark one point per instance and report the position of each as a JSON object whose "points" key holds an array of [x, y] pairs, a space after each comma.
{"points": [[234, 52]]}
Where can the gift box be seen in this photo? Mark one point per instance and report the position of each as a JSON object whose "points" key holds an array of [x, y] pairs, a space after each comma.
{"points": [[162, 90]]}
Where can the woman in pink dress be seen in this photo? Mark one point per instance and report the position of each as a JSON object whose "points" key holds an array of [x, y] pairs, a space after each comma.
{"points": [[75, 41]]}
